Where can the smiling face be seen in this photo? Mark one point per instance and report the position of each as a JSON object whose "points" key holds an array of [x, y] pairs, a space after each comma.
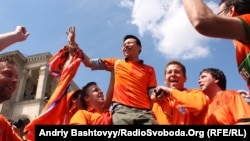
{"points": [[8, 80], [174, 76], [130, 48], [95, 96]]}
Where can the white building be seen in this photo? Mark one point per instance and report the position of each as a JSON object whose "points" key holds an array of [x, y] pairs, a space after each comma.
{"points": [[34, 88]]}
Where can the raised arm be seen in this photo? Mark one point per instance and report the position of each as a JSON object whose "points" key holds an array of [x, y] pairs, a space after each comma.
{"points": [[74, 46], [109, 94], [207, 23], [9, 38]]}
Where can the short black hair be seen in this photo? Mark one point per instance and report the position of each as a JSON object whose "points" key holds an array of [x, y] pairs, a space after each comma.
{"points": [[138, 42], [241, 6], [218, 75]]}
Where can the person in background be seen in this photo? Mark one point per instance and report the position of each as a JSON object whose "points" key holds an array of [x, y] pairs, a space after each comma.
{"points": [[245, 94], [8, 84], [225, 106], [231, 22], [134, 82], [9, 38], [176, 104]]}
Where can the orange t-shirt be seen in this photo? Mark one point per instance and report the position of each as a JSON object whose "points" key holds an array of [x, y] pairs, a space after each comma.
{"points": [[243, 51], [91, 116], [227, 107], [133, 79], [159, 108], [182, 108], [6, 131]]}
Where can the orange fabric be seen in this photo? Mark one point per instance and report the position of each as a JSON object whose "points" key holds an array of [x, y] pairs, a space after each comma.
{"points": [[66, 75], [182, 108], [159, 109], [243, 52], [227, 107], [6, 131], [58, 60], [132, 81], [105, 118], [56, 110], [91, 116]]}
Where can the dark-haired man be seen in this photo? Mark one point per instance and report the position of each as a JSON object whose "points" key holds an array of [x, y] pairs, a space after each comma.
{"points": [[134, 82], [225, 106]]}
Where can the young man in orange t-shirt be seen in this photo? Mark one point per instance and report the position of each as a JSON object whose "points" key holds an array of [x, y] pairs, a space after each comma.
{"points": [[134, 82], [177, 105], [92, 102], [225, 106]]}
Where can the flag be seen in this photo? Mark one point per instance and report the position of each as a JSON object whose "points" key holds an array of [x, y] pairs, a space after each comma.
{"points": [[56, 109]]}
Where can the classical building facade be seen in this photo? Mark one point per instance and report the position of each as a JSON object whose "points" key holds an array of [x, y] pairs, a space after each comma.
{"points": [[34, 88]]}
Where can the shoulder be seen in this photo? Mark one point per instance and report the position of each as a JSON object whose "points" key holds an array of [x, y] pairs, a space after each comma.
{"points": [[195, 90], [228, 94], [81, 112], [149, 67]]}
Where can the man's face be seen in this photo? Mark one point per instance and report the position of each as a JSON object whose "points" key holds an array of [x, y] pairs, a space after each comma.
{"points": [[95, 95], [225, 11], [8, 80], [206, 81], [130, 49], [174, 77], [222, 9]]}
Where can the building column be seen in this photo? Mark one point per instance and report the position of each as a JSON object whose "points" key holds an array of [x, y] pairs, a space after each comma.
{"points": [[21, 85], [42, 82]]}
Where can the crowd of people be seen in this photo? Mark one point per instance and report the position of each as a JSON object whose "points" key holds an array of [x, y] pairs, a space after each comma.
{"points": [[133, 96]]}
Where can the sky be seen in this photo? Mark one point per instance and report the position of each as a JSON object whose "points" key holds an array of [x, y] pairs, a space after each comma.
{"points": [[161, 25]]}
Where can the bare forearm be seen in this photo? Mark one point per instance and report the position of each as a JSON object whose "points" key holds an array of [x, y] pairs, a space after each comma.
{"points": [[196, 10], [86, 60], [8, 39], [199, 14], [109, 94]]}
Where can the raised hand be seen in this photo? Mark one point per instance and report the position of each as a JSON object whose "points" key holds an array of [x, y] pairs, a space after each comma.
{"points": [[21, 33], [71, 34], [73, 46]]}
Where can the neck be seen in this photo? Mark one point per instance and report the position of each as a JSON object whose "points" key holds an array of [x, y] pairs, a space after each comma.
{"points": [[132, 58], [212, 92]]}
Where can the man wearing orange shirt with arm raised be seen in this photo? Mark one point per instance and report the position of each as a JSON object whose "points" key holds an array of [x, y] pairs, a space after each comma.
{"points": [[134, 82]]}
